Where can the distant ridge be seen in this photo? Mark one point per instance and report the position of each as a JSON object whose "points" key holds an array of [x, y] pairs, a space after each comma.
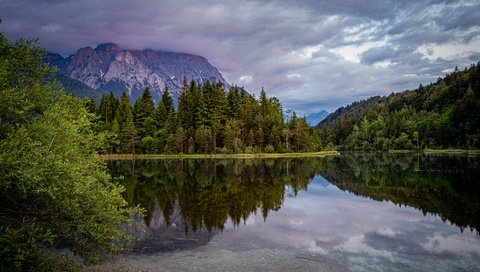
{"points": [[314, 119]]}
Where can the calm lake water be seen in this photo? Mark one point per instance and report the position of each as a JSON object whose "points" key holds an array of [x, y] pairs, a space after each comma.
{"points": [[354, 212]]}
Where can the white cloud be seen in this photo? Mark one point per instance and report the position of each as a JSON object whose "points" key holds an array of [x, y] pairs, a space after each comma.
{"points": [[352, 52], [449, 51], [438, 243], [245, 80]]}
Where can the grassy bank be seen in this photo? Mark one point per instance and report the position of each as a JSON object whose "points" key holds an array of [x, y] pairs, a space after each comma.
{"points": [[438, 151], [217, 156], [452, 151]]}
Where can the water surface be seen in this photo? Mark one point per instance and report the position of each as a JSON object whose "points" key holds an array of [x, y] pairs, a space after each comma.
{"points": [[354, 212]]}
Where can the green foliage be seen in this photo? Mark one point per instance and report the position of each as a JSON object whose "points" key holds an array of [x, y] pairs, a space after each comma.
{"points": [[23, 94], [269, 149], [445, 114], [53, 187], [21, 64], [148, 145]]}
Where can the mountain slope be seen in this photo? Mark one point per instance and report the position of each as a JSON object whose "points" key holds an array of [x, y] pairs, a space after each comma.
{"points": [[441, 115], [75, 87], [107, 67]]}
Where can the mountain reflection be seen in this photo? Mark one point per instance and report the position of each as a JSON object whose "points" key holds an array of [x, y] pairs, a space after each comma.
{"points": [[205, 194]]}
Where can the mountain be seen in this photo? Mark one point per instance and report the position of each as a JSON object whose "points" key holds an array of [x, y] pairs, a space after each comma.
{"points": [[75, 87], [444, 114], [109, 68], [352, 112], [314, 118]]}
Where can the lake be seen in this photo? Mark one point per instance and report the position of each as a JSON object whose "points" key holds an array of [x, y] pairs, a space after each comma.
{"points": [[353, 212]]}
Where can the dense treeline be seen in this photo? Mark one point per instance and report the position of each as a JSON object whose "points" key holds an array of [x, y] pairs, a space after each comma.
{"points": [[54, 190], [207, 120], [444, 114]]}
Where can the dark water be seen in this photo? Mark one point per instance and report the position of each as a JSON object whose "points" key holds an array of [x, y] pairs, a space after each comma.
{"points": [[368, 212]]}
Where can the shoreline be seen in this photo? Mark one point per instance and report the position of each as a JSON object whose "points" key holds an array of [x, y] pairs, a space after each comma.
{"points": [[218, 156], [428, 151], [319, 154]]}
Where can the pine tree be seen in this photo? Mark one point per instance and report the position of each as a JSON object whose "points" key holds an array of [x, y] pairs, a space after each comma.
{"points": [[180, 140], [248, 111], [167, 101], [259, 138], [219, 104], [114, 137], [159, 116], [194, 99], [129, 134], [234, 103], [108, 107], [203, 139], [204, 117], [90, 105], [274, 138], [232, 136], [300, 134], [185, 112], [123, 109], [143, 109], [287, 134], [167, 104], [191, 146], [264, 103]]}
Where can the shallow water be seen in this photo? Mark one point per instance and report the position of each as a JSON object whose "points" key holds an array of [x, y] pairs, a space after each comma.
{"points": [[368, 212]]}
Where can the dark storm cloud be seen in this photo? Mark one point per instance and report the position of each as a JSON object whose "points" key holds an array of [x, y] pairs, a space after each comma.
{"points": [[462, 18], [475, 57], [377, 54], [373, 9], [311, 54]]}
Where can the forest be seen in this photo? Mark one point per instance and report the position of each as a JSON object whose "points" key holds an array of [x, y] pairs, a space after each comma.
{"points": [[444, 114], [207, 120]]}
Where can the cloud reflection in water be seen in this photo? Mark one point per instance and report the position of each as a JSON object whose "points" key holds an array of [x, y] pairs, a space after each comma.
{"points": [[330, 221]]}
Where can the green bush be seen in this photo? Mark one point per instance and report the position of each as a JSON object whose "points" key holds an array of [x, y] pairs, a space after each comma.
{"points": [[54, 188], [269, 149]]}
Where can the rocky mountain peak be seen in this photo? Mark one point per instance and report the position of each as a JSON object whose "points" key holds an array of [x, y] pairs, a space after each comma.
{"points": [[85, 52], [110, 68], [107, 47]]}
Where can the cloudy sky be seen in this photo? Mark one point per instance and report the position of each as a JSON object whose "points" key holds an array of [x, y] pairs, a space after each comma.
{"points": [[311, 54]]}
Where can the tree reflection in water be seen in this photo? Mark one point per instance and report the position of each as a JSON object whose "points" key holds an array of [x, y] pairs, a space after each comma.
{"points": [[444, 185], [205, 194], [209, 192]]}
